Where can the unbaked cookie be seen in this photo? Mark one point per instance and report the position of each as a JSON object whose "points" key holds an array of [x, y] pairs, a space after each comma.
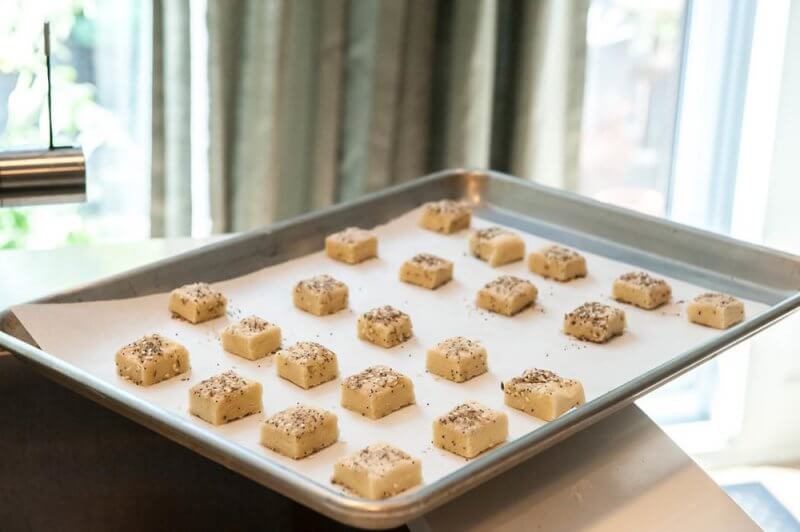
{"points": [[719, 311], [543, 394], [457, 359], [556, 262], [224, 398], [641, 289], [353, 245], [445, 216], [251, 338], [470, 429], [300, 431], [378, 471], [385, 326], [497, 246], [427, 271], [197, 302], [507, 295], [151, 359], [307, 364], [595, 322], [320, 295], [377, 392]]}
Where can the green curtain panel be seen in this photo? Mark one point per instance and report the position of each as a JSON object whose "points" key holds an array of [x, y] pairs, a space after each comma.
{"points": [[170, 159], [317, 101]]}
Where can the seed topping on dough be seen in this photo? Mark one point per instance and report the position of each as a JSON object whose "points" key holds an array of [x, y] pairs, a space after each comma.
{"points": [[379, 458], [428, 260], [148, 347], [505, 284], [298, 420], [491, 232], [718, 299], [533, 380], [374, 379], [351, 235], [468, 416], [223, 384], [385, 315], [457, 347], [642, 279], [308, 353], [319, 284], [559, 253], [446, 206], [252, 325]]}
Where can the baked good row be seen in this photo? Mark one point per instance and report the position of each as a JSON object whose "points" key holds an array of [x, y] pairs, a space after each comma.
{"points": [[506, 295]]}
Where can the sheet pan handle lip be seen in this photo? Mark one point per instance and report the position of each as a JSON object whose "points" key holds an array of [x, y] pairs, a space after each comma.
{"points": [[757, 290], [595, 204], [622, 212], [402, 508]]}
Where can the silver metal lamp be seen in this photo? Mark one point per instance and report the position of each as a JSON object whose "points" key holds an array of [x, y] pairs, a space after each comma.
{"points": [[55, 174]]}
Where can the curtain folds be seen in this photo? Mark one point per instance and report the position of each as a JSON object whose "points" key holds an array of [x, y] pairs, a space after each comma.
{"points": [[170, 158], [549, 95], [243, 61], [313, 102]]}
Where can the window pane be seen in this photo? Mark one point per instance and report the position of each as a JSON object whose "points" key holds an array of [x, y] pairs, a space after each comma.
{"points": [[100, 60], [632, 73]]}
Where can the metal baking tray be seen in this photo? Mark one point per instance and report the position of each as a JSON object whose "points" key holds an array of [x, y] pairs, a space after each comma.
{"points": [[674, 250]]}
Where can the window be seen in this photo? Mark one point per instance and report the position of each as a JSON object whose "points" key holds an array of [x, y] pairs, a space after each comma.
{"points": [[100, 61], [639, 54], [633, 68], [715, 176]]}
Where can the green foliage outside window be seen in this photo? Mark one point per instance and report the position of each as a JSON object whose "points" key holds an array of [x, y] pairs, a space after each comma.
{"points": [[14, 227], [23, 104]]}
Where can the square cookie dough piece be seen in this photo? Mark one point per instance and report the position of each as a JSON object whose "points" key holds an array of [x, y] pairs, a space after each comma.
{"points": [[719, 311], [457, 359], [320, 295], [469, 429], [378, 471], [595, 322], [507, 295], [497, 246], [197, 302], [385, 326], [377, 392], [353, 245], [641, 289], [300, 431], [445, 216], [224, 398], [307, 364], [427, 271], [556, 262], [251, 338], [543, 394], [151, 359]]}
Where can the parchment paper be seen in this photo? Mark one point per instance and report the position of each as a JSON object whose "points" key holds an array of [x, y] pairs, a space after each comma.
{"points": [[88, 334]]}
